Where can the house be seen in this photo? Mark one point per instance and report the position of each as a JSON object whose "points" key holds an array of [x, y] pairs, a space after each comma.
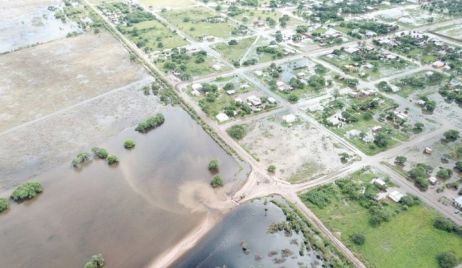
{"points": [[195, 93], [258, 73], [458, 202], [379, 182], [433, 180], [245, 86], [289, 118], [254, 100], [238, 100], [428, 150], [222, 117], [395, 196], [438, 64], [376, 129], [351, 50], [231, 92], [217, 67], [197, 87], [271, 100]]}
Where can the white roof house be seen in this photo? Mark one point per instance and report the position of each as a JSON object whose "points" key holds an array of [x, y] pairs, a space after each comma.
{"points": [[271, 100], [197, 87], [222, 117], [458, 202], [289, 118], [379, 182], [395, 196], [433, 180], [254, 100]]}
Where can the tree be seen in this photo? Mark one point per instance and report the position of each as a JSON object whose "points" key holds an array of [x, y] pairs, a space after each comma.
{"points": [[400, 160], [213, 165], [216, 182], [358, 239], [381, 140], [237, 132], [100, 152], [129, 144], [278, 36], [26, 191], [3, 204], [292, 98], [458, 166], [418, 127], [271, 169], [96, 261], [150, 123], [451, 135], [447, 260], [80, 159], [112, 160], [444, 173]]}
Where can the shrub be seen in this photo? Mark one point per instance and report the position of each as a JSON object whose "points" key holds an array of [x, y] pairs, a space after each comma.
{"points": [[96, 261], [112, 160], [150, 123], [451, 135], [447, 225], [100, 152], [80, 159], [129, 144], [213, 165], [271, 169], [358, 239], [447, 260], [400, 160], [444, 173], [3, 204], [292, 98], [320, 197], [237, 132], [26, 191], [216, 182]]}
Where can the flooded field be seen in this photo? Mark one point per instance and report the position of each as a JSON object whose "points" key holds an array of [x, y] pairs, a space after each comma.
{"points": [[38, 81], [29, 22], [130, 213], [249, 225]]}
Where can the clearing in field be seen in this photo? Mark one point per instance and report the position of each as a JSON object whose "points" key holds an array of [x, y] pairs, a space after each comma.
{"points": [[199, 22], [299, 151], [160, 4], [235, 51], [60, 74], [152, 35], [383, 233]]}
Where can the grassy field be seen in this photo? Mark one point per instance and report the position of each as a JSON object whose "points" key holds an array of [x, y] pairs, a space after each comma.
{"points": [[407, 240], [153, 36], [159, 4], [234, 53], [196, 22]]}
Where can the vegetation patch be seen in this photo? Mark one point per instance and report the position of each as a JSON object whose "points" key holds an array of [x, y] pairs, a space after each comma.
{"points": [[26, 191]]}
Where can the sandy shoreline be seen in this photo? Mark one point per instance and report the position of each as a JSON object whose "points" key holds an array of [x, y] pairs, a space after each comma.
{"points": [[172, 254]]}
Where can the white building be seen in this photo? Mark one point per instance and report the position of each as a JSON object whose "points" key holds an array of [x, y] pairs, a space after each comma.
{"points": [[222, 117], [289, 118], [395, 196]]}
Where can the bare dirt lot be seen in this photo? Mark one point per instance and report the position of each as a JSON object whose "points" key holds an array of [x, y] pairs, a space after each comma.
{"points": [[299, 151], [38, 81], [46, 143]]}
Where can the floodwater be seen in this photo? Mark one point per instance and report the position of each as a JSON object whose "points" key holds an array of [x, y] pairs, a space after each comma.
{"points": [[130, 213], [248, 224], [24, 23]]}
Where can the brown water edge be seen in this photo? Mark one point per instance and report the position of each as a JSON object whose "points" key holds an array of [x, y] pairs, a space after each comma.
{"points": [[131, 213]]}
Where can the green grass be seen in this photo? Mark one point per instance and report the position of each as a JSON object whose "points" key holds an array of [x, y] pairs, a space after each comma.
{"points": [[408, 240], [197, 26], [235, 52], [153, 33]]}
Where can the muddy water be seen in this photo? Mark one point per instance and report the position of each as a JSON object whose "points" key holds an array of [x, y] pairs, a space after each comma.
{"points": [[24, 23], [130, 213], [222, 246]]}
